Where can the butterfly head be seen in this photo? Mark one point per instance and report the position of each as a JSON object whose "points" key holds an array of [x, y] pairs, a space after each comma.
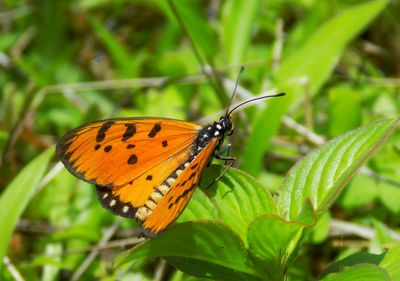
{"points": [[226, 124]]}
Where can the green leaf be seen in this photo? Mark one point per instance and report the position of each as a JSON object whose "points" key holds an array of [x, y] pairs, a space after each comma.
{"points": [[238, 24], [239, 198], [200, 207], [321, 175], [206, 249], [361, 272], [313, 62], [272, 240], [17, 195], [391, 262], [353, 260]]}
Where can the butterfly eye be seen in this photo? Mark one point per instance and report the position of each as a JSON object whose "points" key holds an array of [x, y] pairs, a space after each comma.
{"points": [[227, 123]]}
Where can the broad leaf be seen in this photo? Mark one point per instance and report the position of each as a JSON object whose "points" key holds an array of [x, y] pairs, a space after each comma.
{"points": [[321, 175], [238, 197], [207, 249], [391, 262], [353, 260], [361, 272], [271, 240]]}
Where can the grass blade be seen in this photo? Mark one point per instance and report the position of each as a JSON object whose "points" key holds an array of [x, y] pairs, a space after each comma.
{"points": [[17, 195]]}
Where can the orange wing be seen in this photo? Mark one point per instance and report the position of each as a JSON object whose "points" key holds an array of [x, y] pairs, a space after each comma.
{"points": [[142, 167], [156, 215], [123, 152]]}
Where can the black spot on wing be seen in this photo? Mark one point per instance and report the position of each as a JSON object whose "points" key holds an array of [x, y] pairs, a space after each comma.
{"points": [[97, 146], [107, 148], [164, 143], [192, 175], [132, 159], [130, 131], [101, 134], [154, 130], [149, 177], [130, 146], [183, 195]]}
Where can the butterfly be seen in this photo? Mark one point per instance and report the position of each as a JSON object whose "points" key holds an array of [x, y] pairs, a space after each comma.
{"points": [[145, 168]]}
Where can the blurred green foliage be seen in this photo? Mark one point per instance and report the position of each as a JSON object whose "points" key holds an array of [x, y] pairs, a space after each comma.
{"points": [[64, 63]]}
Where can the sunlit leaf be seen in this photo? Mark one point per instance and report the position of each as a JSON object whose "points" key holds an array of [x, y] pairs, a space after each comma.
{"points": [[322, 174]]}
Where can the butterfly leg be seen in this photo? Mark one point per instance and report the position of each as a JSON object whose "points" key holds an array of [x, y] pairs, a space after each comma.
{"points": [[222, 174], [229, 161]]}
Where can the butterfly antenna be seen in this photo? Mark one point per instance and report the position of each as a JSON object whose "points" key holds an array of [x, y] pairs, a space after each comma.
{"points": [[234, 90], [255, 99]]}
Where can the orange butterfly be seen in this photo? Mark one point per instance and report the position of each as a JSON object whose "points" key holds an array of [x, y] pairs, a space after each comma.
{"points": [[144, 168]]}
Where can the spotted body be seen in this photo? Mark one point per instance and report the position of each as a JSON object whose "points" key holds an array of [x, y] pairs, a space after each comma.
{"points": [[143, 168]]}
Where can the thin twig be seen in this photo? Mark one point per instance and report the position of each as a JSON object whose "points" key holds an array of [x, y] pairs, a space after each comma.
{"points": [[49, 176], [340, 228], [303, 131], [341, 243], [386, 82], [121, 243], [12, 269], [278, 45], [160, 270], [37, 227], [94, 253]]}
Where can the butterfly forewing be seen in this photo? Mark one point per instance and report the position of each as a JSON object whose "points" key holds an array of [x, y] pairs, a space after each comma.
{"points": [[115, 152]]}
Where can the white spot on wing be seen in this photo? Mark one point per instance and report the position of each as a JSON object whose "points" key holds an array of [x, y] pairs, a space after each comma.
{"points": [[151, 204], [170, 181], [163, 189], [156, 196], [143, 213]]}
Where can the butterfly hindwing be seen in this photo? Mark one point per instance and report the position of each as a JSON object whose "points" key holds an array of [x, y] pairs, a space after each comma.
{"points": [[117, 151], [172, 204]]}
